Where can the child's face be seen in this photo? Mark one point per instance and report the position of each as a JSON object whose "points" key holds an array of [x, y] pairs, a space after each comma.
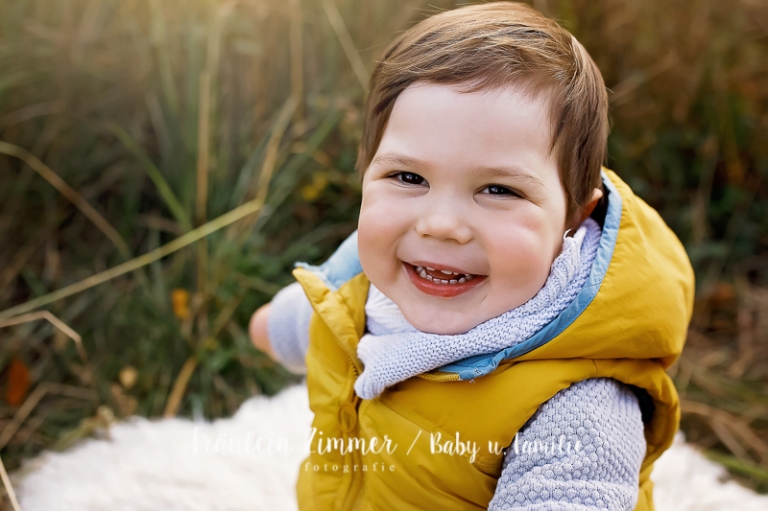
{"points": [[461, 182]]}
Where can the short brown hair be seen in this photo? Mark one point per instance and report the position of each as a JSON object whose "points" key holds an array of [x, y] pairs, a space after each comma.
{"points": [[492, 45]]}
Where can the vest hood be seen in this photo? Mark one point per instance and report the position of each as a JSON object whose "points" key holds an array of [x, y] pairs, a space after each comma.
{"points": [[636, 304]]}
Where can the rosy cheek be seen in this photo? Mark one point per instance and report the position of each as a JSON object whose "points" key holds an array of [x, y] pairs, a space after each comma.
{"points": [[373, 230], [521, 263], [523, 258], [378, 231], [385, 213]]}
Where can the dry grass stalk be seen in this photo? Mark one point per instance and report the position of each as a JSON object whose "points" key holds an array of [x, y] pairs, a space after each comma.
{"points": [[30, 112], [731, 430], [9, 487], [225, 315], [744, 322], [29, 404], [623, 90], [203, 157], [179, 387], [271, 154], [205, 107], [185, 240], [32, 401], [47, 315], [203, 144], [70, 193], [297, 63], [21, 258], [347, 44]]}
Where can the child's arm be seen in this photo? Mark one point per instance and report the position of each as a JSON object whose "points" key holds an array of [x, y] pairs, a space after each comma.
{"points": [[605, 416], [281, 328]]}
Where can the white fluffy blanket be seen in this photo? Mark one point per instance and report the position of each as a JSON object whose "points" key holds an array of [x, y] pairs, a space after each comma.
{"points": [[250, 462]]}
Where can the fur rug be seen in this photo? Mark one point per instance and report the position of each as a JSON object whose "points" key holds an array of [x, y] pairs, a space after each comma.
{"points": [[251, 461]]}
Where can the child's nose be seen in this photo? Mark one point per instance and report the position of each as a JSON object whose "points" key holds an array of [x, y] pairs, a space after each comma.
{"points": [[444, 225]]}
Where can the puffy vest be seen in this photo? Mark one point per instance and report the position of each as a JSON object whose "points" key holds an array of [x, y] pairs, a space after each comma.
{"points": [[434, 441]]}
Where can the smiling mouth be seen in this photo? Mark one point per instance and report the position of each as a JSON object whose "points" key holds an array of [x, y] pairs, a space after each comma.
{"points": [[441, 283], [443, 276]]}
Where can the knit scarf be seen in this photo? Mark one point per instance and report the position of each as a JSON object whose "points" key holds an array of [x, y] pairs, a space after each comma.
{"points": [[394, 350]]}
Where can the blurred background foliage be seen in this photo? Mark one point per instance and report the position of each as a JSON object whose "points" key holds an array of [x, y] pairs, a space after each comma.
{"points": [[125, 124]]}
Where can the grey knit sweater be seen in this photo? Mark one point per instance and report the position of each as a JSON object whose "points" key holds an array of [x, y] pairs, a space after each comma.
{"points": [[601, 414]]}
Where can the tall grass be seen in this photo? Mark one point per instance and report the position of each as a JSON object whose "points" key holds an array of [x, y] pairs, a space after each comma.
{"points": [[162, 116]]}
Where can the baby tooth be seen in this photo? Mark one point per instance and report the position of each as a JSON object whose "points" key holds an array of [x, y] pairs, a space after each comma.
{"points": [[430, 269], [429, 277], [462, 280], [452, 281], [446, 272]]}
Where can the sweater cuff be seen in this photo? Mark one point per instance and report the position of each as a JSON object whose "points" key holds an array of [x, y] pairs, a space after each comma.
{"points": [[288, 327]]}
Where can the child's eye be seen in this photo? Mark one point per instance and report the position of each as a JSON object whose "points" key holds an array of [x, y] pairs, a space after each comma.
{"points": [[408, 178], [501, 190]]}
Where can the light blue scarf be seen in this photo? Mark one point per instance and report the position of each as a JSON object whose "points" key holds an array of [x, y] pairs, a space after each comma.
{"points": [[394, 350]]}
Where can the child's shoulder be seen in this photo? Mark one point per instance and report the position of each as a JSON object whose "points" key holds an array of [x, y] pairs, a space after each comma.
{"points": [[340, 267]]}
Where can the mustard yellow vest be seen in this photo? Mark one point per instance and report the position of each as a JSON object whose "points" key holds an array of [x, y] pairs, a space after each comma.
{"points": [[402, 450]]}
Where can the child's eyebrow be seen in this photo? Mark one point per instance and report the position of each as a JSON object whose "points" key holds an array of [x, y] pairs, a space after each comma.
{"points": [[508, 171], [400, 160]]}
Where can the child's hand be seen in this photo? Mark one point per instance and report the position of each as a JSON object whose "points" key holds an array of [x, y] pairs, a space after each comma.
{"points": [[258, 330]]}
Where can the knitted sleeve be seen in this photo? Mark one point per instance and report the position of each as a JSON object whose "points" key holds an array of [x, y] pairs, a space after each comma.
{"points": [[288, 327], [600, 472]]}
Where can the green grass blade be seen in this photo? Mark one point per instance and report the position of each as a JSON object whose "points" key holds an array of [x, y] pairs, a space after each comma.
{"points": [[154, 174]]}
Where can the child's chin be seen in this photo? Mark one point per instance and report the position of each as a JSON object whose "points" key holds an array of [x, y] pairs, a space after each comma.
{"points": [[438, 324]]}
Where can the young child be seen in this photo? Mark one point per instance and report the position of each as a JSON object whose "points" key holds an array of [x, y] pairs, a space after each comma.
{"points": [[496, 332]]}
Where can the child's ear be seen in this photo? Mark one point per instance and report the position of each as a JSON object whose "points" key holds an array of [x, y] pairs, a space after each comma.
{"points": [[584, 212], [597, 194]]}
